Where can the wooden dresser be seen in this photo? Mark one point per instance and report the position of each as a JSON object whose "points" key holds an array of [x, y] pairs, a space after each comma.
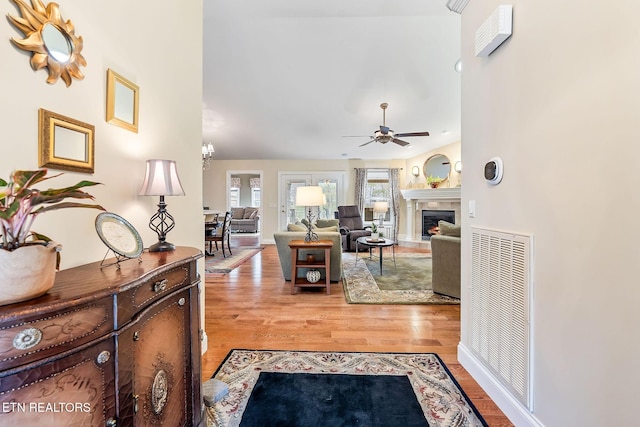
{"points": [[106, 347]]}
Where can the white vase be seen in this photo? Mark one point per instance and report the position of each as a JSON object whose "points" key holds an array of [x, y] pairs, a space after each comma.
{"points": [[375, 236], [27, 272]]}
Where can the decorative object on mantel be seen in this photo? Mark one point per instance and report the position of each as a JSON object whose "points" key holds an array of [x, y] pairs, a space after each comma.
{"points": [[51, 40], [415, 171], [308, 196], [161, 179], [434, 181], [29, 260], [120, 237]]}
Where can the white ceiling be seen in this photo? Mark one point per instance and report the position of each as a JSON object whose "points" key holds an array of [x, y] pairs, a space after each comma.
{"points": [[289, 79]]}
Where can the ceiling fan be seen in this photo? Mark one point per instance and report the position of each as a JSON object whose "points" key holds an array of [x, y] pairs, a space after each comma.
{"points": [[385, 134]]}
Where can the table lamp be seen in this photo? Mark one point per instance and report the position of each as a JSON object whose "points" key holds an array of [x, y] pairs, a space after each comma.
{"points": [[310, 196], [381, 208], [161, 179]]}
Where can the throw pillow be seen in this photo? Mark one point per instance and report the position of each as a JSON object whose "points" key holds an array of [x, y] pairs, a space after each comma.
{"points": [[322, 223], [448, 229], [237, 213], [296, 227], [248, 212], [304, 222], [253, 214], [319, 229]]}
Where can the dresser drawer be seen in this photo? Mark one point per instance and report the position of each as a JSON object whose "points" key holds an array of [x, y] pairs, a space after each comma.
{"points": [[132, 301], [36, 337]]}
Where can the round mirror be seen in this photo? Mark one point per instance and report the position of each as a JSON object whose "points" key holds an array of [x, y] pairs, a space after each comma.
{"points": [[56, 42], [437, 166]]}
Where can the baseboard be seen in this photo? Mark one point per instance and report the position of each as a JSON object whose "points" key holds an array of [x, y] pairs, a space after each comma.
{"points": [[268, 241], [518, 414], [204, 342]]}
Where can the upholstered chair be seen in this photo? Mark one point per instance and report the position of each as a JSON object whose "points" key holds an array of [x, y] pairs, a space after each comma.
{"points": [[351, 226]]}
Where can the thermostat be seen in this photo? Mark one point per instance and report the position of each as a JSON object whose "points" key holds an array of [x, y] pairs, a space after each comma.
{"points": [[493, 170]]}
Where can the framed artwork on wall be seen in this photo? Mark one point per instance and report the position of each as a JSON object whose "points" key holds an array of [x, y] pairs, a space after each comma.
{"points": [[122, 101], [65, 143]]}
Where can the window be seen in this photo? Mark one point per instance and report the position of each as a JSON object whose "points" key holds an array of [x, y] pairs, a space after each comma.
{"points": [[255, 197], [234, 197], [377, 190]]}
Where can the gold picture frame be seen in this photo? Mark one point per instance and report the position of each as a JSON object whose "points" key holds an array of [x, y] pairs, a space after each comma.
{"points": [[65, 143], [122, 101]]}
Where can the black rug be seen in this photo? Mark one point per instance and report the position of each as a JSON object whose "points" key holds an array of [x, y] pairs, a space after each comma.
{"points": [[280, 399], [308, 389]]}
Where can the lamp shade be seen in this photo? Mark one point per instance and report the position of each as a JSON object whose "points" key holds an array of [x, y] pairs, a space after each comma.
{"points": [[161, 179], [309, 196], [380, 207]]}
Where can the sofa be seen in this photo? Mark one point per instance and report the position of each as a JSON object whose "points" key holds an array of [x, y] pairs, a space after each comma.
{"points": [[445, 252], [244, 219], [282, 239]]}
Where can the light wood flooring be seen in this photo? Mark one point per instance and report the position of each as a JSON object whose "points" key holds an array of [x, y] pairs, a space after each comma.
{"points": [[252, 308]]}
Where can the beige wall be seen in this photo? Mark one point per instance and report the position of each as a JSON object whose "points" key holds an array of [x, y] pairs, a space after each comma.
{"points": [[559, 102], [215, 176], [127, 37]]}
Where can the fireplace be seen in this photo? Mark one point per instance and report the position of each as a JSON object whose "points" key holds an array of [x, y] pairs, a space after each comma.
{"points": [[430, 220]]}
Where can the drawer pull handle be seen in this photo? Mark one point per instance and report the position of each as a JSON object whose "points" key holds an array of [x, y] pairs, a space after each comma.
{"points": [[160, 286], [27, 338], [103, 357], [135, 403], [136, 335], [111, 422], [181, 301]]}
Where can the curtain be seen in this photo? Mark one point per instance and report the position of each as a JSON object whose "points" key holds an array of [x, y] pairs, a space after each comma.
{"points": [[361, 188], [394, 187]]}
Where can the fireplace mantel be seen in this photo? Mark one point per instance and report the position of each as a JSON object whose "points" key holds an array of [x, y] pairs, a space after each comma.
{"points": [[432, 194], [415, 196]]}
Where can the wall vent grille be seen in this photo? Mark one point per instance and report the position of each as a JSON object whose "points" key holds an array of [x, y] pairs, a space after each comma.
{"points": [[501, 288]]}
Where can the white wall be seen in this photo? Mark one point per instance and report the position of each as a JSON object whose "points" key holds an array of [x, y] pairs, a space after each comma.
{"points": [[559, 102], [159, 48]]}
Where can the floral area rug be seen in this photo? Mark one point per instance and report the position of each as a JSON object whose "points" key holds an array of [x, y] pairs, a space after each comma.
{"points": [[218, 265], [408, 282], [437, 398]]}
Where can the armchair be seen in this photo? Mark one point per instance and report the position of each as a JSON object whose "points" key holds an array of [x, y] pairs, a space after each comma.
{"points": [[351, 226]]}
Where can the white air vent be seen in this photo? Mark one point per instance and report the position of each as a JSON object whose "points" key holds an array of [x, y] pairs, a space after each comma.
{"points": [[500, 300], [494, 31]]}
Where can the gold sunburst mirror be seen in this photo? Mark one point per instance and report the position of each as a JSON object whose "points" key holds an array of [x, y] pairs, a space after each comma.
{"points": [[51, 41]]}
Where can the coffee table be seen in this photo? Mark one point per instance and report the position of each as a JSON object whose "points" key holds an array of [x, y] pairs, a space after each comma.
{"points": [[380, 243]]}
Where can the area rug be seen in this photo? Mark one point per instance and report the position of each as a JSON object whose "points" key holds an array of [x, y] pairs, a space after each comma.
{"points": [[408, 282], [300, 388], [218, 265]]}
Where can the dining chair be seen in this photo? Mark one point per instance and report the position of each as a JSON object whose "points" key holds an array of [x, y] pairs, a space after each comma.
{"points": [[221, 235]]}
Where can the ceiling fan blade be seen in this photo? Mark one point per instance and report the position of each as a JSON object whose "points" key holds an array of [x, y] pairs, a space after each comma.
{"points": [[403, 135], [400, 142], [366, 143]]}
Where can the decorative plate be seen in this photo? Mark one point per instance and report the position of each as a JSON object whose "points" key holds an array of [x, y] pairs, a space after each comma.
{"points": [[119, 235]]}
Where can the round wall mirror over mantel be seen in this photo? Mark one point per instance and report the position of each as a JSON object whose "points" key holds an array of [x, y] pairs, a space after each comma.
{"points": [[437, 167]]}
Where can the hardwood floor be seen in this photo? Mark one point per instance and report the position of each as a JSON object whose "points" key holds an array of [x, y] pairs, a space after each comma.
{"points": [[252, 308]]}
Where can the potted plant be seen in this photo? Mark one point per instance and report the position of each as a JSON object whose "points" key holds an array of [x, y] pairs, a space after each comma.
{"points": [[434, 181], [29, 260]]}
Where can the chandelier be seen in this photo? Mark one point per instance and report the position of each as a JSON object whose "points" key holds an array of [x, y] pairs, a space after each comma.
{"points": [[207, 155]]}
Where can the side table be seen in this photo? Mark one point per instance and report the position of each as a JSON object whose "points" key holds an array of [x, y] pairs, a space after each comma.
{"points": [[296, 263]]}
